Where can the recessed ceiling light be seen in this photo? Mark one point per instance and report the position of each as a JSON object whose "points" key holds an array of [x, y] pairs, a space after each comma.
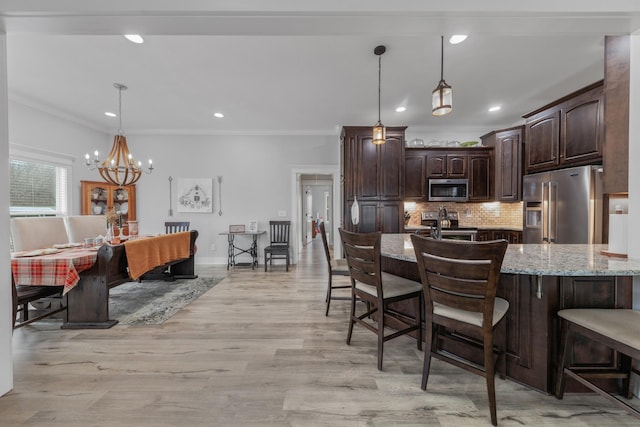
{"points": [[110, 114], [134, 38], [218, 115], [494, 108], [401, 109], [457, 38]]}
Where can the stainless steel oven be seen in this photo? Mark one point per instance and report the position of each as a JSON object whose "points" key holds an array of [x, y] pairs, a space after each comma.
{"points": [[448, 190]]}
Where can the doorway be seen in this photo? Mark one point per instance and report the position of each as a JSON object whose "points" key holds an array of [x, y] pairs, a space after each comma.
{"points": [[327, 177], [317, 205]]}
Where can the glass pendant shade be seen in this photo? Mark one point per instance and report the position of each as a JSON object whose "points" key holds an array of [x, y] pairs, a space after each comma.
{"points": [[441, 99], [379, 133]]}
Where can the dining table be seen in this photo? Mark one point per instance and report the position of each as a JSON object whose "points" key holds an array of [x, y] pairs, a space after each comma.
{"points": [[87, 274], [59, 266]]}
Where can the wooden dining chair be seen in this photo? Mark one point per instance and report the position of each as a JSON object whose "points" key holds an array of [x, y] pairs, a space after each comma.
{"points": [[460, 280], [336, 267], [23, 295], [176, 226], [378, 289], [278, 248]]}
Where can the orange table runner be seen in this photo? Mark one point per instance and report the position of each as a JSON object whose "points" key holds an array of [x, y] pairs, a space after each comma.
{"points": [[144, 254]]}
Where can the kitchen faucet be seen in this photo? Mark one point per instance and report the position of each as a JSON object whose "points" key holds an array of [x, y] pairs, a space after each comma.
{"points": [[442, 215]]}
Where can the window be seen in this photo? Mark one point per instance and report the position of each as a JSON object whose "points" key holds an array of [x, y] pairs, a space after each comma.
{"points": [[38, 184]]}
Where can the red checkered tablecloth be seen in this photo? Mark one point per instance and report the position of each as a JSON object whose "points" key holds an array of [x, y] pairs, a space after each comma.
{"points": [[59, 269]]}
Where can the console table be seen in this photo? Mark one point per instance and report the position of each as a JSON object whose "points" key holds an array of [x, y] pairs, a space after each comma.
{"points": [[234, 251]]}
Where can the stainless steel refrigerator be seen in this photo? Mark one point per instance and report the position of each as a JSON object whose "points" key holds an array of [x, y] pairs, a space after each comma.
{"points": [[563, 206]]}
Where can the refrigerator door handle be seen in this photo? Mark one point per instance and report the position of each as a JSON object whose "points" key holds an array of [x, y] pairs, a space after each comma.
{"points": [[545, 213], [553, 212]]}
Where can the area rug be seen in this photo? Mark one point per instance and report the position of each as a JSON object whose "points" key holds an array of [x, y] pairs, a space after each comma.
{"points": [[153, 302]]}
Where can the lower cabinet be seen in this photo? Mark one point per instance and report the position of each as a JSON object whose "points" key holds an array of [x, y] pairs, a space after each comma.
{"points": [[533, 329], [387, 216], [532, 325], [511, 236]]}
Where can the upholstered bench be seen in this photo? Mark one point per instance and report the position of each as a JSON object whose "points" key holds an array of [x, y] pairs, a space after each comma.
{"points": [[618, 329]]}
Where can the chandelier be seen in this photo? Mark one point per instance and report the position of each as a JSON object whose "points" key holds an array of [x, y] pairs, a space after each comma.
{"points": [[379, 131], [119, 167]]}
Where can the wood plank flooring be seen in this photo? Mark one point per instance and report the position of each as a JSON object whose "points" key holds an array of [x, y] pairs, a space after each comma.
{"points": [[257, 350]]}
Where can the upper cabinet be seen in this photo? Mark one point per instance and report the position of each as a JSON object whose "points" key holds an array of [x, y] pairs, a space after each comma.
{"points": [[374, 176], [474, 164], [415, 182], [100, 197], [507, 144], [446, 164], [568, 132], [480, 176]]}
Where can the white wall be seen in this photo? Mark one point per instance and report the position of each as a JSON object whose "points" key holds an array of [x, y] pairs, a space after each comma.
{"points": [[31, 128], [255, 170], [6, 323]]}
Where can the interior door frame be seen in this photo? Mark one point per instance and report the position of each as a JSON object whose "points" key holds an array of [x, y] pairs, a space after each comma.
{"points": [[296, 204]]}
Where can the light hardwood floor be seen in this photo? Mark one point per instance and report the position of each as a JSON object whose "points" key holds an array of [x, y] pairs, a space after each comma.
{"points": [[257, 350]]}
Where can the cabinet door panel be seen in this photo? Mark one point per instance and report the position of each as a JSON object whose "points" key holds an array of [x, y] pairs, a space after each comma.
{"points": [[456, 166], [479, 177], [542, 136], [582, 132], [368, 168], [508, 167], [391, 217], [368, 217], [391, 160], [414, 176], [436, 165]]}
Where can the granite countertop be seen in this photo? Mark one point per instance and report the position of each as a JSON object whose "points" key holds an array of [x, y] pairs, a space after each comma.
{"points": [[409, 228], [537, 259]]}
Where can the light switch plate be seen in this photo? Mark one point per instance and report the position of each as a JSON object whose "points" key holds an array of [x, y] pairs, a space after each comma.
{"points": [[282, 213]]}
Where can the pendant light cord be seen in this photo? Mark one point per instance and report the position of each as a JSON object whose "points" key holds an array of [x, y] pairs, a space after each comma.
{"points": [[120, 110], [379, 82], [441, 57]]}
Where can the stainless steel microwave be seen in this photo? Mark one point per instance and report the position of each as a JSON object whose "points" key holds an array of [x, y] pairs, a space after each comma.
{"points": [[448, 190]]}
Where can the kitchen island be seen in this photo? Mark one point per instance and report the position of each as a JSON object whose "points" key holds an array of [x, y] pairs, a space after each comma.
{"points": [[538, 280]]}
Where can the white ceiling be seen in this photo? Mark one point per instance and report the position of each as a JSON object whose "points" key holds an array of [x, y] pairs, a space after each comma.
{"points": [[306, 70]]}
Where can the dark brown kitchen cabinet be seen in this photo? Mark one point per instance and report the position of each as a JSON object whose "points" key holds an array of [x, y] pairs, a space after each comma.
{"points": [[374, 175], [511, 236], [446, 164], [567, 132], [415, 178], [379, 216], [532, 326], [507, 144], [480, 176]]}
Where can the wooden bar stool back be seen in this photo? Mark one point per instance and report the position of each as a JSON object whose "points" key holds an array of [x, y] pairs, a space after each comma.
{"points": [[378, 289], [460, 280], [336, 267]]}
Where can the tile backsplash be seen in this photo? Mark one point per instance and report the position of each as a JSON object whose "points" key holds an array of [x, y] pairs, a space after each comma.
{"points": [[493, 214]]}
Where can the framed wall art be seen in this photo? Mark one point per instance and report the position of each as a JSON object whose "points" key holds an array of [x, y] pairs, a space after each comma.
{"points": [[195, 195]]}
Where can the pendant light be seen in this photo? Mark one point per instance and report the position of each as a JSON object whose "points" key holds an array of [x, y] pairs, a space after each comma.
{"points": [[119, 168], [379, 131], [441, 96]]}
